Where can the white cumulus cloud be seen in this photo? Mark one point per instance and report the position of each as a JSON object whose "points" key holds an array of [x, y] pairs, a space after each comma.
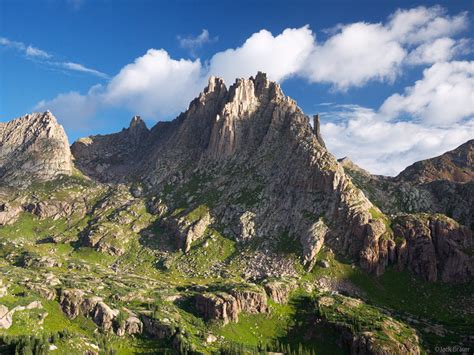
{"points": [[443, 96], [155, 84], [387, 147], [279, 56]]}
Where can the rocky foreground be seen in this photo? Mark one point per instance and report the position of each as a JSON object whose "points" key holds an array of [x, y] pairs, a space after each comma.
{"points": [[231, 229]]}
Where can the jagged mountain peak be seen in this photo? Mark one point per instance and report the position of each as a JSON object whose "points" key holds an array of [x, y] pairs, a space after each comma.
{"points": [[137, 123]]}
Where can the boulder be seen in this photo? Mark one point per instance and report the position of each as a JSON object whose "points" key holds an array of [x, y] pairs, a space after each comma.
{"points": [[158, 329], [9, 214], [71, 301], [186, 230], [103, 316], [131, 325], [6, 317]]}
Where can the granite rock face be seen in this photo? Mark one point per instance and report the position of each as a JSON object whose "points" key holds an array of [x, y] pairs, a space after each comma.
{"points": [[33, 147]]}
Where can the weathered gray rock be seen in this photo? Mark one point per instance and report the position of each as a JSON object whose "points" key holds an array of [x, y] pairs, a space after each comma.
{"points": [[186, 230], [251, 300], [158, 329], [33, 147], [132, 325], [111, 157], [279, 291], [71, 301], [219, 306], [6, 317], [9, 214], [103, 316], [43, 291], [226, 306], [55, 209]]}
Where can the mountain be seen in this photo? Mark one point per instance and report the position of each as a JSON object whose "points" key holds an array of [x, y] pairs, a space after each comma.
{"points": [[33, 147], [187, 234], [456, 165], [442, 184]]}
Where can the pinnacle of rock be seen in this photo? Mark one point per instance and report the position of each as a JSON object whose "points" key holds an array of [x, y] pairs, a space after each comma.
{"points": [[317, 130]]}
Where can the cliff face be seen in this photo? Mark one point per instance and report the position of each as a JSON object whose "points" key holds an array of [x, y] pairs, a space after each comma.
{"points": [[33, 147]]}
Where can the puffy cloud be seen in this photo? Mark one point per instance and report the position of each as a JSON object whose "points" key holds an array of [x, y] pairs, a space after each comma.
{"points": [[443, 96], [155, 84], [440, 50], [358, 53], [386, 147], [279, 56], [422, 24]]}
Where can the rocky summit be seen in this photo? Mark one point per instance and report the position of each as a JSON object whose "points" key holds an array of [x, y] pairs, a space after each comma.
{"points": [[33, 148], [231, 229]]}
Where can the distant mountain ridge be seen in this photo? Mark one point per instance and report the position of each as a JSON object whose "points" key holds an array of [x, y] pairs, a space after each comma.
{"points": [[456, 165]]}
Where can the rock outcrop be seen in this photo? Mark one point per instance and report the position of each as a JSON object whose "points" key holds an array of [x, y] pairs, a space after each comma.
{"points": [[434, 247], [218, 306], [226, 306], [71, 302], [75, 302], [350, 318], [158, 329], [279, 291], [9, 214], [33, 148], [187, 229], [6, 317]]}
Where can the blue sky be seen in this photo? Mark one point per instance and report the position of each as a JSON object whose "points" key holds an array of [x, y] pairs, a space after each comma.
{"points": [[393, 80]]}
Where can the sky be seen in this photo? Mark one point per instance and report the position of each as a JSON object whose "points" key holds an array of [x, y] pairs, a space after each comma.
{"points": [[393, 81]]}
